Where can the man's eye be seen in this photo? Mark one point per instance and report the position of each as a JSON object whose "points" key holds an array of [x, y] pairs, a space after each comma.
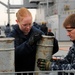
{"points": [[24, 24], [69, 30]]}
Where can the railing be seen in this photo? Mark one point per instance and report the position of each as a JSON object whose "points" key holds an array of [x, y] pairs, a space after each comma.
{"points": [[68, 72]]}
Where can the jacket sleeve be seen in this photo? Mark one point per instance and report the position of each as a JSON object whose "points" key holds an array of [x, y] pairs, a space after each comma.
{"points": [[67, 63], [69, 58], [22, 49]]}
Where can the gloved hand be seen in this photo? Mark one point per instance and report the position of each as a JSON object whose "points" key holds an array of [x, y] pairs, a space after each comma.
{"points": [[34, 38], [43, 64]]}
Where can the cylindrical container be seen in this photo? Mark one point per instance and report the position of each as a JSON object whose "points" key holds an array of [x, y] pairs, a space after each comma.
{"points": [[7, 55], [44, 49]]}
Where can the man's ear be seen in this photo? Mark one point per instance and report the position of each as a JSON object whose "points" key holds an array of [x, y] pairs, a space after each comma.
{"points": [[17, 21]]}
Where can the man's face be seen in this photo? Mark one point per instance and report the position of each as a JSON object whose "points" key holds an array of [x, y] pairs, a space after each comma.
{"points": [[26, 24], [71, 32]]}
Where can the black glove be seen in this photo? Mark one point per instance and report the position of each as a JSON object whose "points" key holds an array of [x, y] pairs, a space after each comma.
{"points": [[34, 38], [43, 64]]}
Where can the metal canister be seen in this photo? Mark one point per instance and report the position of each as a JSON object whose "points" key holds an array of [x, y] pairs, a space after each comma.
{"points": [[44, 49], [7, 55]]}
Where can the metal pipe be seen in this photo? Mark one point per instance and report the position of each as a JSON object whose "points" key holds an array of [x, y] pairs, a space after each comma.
{"points": [[47, 7], [9, 12]]}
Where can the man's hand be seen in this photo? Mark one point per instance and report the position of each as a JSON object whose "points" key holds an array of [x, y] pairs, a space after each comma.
{"points": [[35, 37], [43, 64]]}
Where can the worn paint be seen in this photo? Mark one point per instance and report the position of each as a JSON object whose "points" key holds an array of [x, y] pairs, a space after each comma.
{"points": [[44, 49], [7, 55]]}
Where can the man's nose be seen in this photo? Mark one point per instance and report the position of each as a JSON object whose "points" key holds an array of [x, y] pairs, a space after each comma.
{"points": [[68, 33], [28, 27]]}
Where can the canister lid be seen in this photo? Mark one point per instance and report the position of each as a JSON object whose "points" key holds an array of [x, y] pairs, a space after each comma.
{"points": [[45, 36], [7, 39]]}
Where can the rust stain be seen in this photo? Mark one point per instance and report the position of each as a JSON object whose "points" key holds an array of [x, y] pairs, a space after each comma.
{"points": [[6, 70], [44, 51], [9, 41]]}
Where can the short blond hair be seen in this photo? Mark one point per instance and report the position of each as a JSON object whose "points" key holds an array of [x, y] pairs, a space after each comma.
{"points": [[23, 12]]}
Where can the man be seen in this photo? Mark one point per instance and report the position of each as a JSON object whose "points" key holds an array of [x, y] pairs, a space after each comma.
{"points": [[50, 33], [36, 25], [26, 38], [68, 62], [44, 27], [7, 29]]}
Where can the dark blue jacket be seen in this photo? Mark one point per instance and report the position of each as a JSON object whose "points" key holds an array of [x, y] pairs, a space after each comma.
{"points": [[24, 53]]}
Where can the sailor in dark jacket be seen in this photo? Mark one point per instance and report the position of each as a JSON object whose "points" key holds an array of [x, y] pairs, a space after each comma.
{"points": [[26, 38], [25, 50]]}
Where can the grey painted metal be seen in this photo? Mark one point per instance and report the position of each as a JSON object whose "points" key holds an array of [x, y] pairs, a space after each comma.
{"points": [[34, 72], [44, 49], [61, 8], [3, 4], [29, 5], [9, 12], [7, 55], [26, 4]]}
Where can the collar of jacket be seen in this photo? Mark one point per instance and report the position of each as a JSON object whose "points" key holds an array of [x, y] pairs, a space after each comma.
{"points": [[20, 33]]}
